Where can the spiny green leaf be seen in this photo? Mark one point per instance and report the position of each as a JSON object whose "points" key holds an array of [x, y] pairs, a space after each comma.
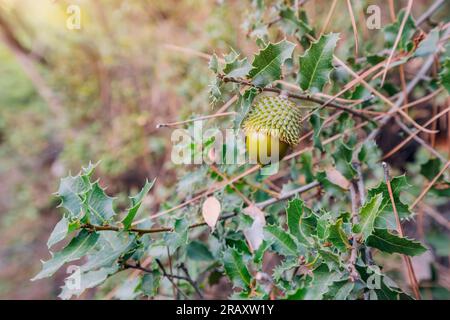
{"points": [[72, 192], [87, 171], [386, 217], [258, 255], [136, 202], [236, 68], [213, 64], [306, 166], [150, 283], [329, 187], [338, 237], [431, 168], [323, 226], [198, 251], [339, 290], [215, 94], [244, 103], [288, 15], [391, 31], [236, 269], [267, 64], [286, 265], [295, 220], [323, 278], [368, 213], [331, 259], [385, 241], [297, 294], [77, 248], [382, 287], [283, 239], [316, 63], [343, 158], [294, 212], [59, 232], [99, 206], [110, 246], [179, 237], [317, 123]]}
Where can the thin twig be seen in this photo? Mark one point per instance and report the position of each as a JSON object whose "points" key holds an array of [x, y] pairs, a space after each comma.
{"points": [[321, 94], [397, 40], [135, 273], [423, 99], [403, 82], [420, 140], [146, 270], [392, 10], [171, 278], [274, 194], [383, 98], [239, 193], [393, 106], [287, 195], [171, 269], [411, 274], [190, 51], [413, 134], [411, 85], [227, 104], [327, 20], [177, 123], [208, 192], [191, 281], [439, 218], [430, 184], [431, 9], [355, 29]]}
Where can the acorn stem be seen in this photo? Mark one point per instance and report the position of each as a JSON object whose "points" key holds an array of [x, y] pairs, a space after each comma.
{"points": [[284, 94]]}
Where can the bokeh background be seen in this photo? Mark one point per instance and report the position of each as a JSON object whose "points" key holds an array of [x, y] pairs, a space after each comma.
{"points": [[71, 96]]}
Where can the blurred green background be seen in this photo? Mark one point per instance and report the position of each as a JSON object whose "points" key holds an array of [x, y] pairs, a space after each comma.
{"points": [[95, 93]]}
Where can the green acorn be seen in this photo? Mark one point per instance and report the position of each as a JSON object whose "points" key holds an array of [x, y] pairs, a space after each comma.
{"points": [[271, 121]]}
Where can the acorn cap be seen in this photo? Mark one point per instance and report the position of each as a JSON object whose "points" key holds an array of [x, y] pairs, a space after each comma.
{"points": [[275, 116]]}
